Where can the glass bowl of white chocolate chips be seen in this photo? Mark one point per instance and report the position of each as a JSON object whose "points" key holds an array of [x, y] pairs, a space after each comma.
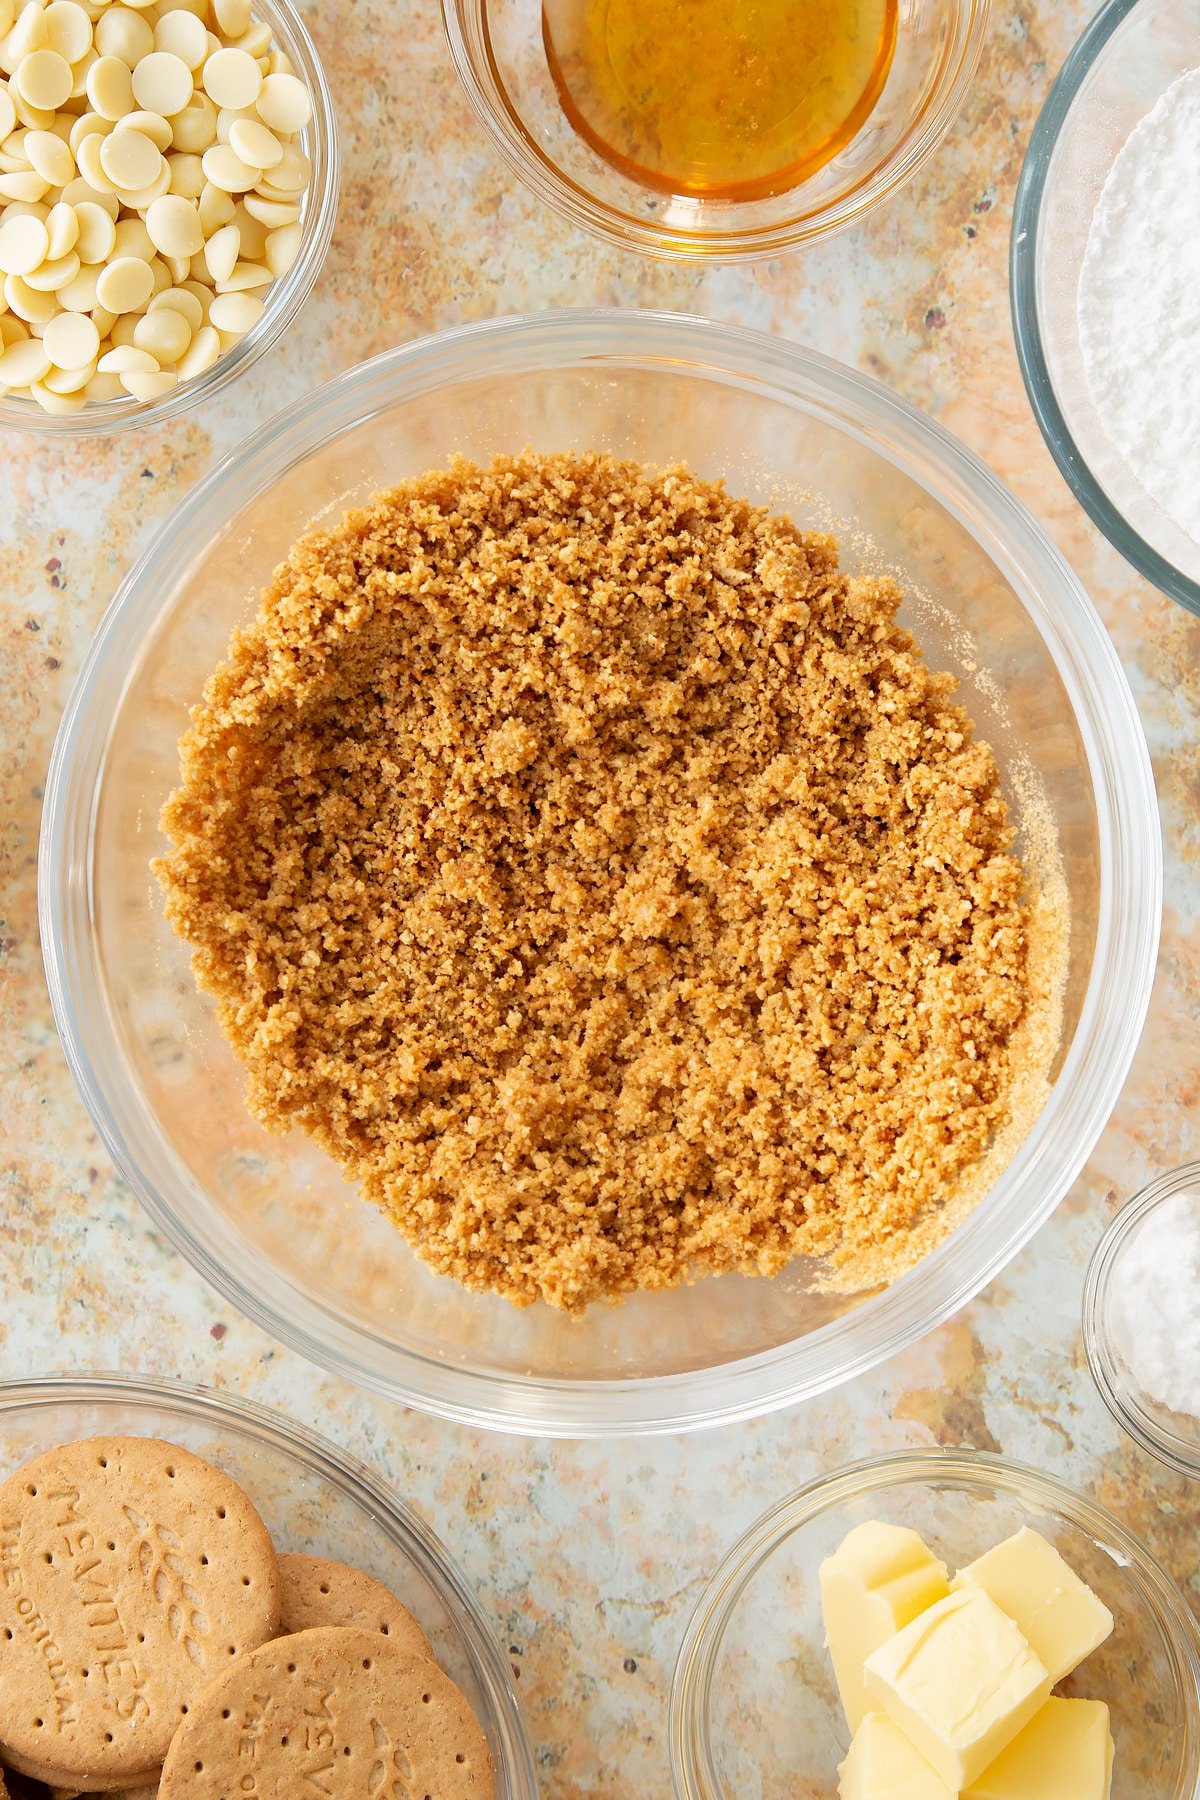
{"points": [[974, 1608], [168, 189]]}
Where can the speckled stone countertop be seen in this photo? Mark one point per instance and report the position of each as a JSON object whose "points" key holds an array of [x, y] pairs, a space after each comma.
{"points": [[588, 1559]]}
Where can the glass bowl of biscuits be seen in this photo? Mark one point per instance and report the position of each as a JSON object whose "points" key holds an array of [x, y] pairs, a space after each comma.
{"points": [[534, 1130], [937, 1622], [197, 1590]]}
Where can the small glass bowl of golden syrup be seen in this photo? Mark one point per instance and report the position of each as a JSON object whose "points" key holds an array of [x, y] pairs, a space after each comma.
{"points": [[723, 129]]}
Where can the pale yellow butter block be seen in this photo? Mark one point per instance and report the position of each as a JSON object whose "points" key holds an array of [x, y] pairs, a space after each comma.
{"points": [[882, 1765], [1064, 1753], [1053, 1609], [960, 1682], [877, 1580]]}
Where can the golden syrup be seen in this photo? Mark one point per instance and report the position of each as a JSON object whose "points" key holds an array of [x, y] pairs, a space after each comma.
{"points": [[724, 99]]}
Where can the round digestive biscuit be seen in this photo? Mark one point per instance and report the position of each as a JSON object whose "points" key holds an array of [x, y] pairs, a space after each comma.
{"points": [[335, 1711], [131, 1573], [316, 1592]]}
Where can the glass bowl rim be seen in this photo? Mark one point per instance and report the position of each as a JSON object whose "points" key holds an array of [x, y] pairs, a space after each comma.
{"points": [[691, 1756], [285, 297], [573, 201], [1117, 1389], [1105, 714], [1023, 296], [352, 1477]]}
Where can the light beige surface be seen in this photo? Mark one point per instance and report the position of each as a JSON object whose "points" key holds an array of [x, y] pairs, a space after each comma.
{"points": [[588, 1559]]}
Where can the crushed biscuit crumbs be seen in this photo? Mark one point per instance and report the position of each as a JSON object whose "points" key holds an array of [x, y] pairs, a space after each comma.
{"points": [[604, 880]]}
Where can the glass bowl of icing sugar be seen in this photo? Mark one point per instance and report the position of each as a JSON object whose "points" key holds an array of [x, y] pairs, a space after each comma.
{"points": [[1105, 278], [1141, 1318]]}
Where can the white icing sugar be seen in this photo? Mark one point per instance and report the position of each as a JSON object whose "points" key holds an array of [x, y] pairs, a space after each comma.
{"points": [[1139, 303], [1155, 1307]]}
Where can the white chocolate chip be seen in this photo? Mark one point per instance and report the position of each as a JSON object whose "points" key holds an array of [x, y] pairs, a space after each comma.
{"points": [[187, 175], [79, 295], [166, 334], [151, 125], [103, 387], [227, 170], [183, 35], [69, 381], [24, 362], [62, 229], [221, 252], [68, 30], [71, 341], [125, 285], [110, 87], [245, 275], [174, 226], [283, 247], [23, 186], [54, 275], [178, 299], [254, 144], [147, 387], [283, 103], [201, 354], [232, 78], [97, 233], [51, 402], [122, 359], [195, 128], [129, 159], [123, 33], [50, 157], [163, 83], [235, 312], [24, 244], [216, 208]]}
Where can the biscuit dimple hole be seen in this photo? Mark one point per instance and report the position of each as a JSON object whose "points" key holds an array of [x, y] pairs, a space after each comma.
{"points": [[183, 1706], [48, 1556], [108, 1737], [220, 1512], [324, 1587], [32, 1492], [204, 1562], [170, 1472], [8, 1634], [366, 1662], [460, 1758], [233, 1649], [225, 1714], [103, 1461], [199, 1767], [425, 1699], [111, 1545], [141, 1637], [291, 1668], [39, 1723], [245, 1581]]}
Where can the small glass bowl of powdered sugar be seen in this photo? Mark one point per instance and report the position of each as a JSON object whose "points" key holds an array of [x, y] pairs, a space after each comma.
{"points": [[1106, 283], [1141, 1318]]}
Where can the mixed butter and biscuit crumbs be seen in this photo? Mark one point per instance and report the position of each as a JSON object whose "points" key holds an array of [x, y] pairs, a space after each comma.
{"points": [[603, 879]]}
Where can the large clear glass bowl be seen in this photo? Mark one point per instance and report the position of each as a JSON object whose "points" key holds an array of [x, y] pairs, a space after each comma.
{"points": [[754, 1709], [312, 1498], [499, 54], [1129, 55], [284, 297], [267, 1219]]}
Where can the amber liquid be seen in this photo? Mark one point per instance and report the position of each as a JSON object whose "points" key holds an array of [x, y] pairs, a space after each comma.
{"points": [[725, 99]]}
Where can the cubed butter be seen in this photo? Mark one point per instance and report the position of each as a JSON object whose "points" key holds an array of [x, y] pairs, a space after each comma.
{"points": [[1064, 1753], [960, 1682], [877, 1581], [1054, 1610], [882, 1765]]}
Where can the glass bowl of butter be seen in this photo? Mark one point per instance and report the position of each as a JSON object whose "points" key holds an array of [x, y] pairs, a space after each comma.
{"points": [[936, 1623]]}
